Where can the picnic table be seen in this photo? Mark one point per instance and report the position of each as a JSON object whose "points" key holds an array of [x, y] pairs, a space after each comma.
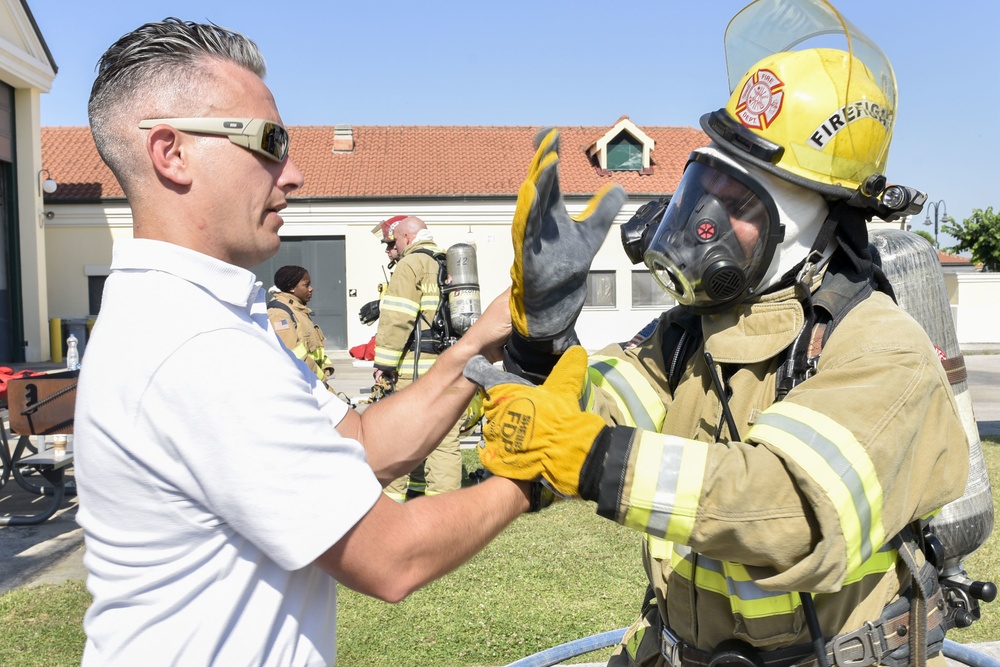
{"points": [[37, 405]]}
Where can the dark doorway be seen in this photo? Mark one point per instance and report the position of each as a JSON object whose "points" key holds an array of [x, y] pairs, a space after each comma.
{"points": [[325, 259], [11, 345]]}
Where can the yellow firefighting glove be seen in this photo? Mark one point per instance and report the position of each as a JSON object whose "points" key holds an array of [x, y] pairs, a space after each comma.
{"points": [[553, 251], [538, 432]]}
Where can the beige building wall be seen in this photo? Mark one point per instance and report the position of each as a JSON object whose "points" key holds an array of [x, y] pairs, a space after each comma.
{"points": [[79, 240], [78, 243], [973, 298]]}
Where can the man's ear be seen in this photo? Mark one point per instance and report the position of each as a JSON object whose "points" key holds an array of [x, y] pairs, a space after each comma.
{"points": [[170, 154]]}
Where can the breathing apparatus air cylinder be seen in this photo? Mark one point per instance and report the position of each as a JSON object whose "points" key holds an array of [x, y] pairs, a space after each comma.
{"points": [[463, 287], [913, 269]]}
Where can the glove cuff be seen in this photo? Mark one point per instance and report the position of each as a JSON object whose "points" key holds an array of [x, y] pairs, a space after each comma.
{"points": [[540, 497], [533, 359], [610, 439]]}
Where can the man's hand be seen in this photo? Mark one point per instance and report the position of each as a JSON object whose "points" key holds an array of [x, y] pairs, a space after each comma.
{"points": [[534, 432], [388, 377], [553, 251]]}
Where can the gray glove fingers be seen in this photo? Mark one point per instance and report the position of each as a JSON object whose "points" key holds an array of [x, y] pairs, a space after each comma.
{"points": [[541, 224], [548, 198], [487, 376], [536, 141], [594, 228], [552, 207]]}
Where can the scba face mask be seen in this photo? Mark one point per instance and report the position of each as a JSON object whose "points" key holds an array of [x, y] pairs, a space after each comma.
{"points": [[717, 236]]}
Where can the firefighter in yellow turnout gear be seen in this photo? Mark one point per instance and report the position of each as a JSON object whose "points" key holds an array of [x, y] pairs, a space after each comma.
{"points": [[404, 343], [292, 320], [781, 433]]}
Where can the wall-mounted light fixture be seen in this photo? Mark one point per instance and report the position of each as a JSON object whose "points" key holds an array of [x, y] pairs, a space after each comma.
{"points": [[48, 185]]}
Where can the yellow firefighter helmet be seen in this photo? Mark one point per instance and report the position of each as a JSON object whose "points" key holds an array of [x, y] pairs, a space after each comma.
{"points": [[821, 117]]}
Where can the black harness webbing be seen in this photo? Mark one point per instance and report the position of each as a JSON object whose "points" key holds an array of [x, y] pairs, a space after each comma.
{"points": [[274, 303]]}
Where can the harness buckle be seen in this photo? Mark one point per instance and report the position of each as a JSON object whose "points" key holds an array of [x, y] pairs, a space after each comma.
{"points": [[671, 647], [809, 268], [867, 638]]}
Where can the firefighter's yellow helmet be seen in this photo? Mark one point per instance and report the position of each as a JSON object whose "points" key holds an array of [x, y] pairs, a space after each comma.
{"points": [[817, 117]]}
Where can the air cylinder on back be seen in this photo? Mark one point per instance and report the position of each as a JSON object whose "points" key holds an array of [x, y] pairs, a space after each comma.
{"points": [[463, 288], [912, 267]]}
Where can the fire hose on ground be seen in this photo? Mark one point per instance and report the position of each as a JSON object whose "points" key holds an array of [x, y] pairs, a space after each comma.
{"points": [[555, 655]]}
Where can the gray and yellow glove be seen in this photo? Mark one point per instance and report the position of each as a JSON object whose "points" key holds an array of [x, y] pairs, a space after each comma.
{"points": [[539, 432], [553, 251]]}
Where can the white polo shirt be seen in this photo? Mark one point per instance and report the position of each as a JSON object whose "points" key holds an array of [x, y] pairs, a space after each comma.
{"points": [[209, 471]]}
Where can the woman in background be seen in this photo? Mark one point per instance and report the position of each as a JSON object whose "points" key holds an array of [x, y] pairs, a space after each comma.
{"points": [[292, 320]]}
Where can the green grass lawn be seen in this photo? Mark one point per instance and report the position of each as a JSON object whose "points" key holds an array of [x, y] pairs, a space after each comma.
{"points": [[43, 627], [551, 577]]}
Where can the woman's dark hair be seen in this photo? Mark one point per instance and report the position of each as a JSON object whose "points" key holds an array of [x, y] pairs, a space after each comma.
{"points": [[287, 277]]}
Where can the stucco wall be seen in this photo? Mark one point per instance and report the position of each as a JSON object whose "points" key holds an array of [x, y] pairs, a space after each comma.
{"points": [[974, 308], [79, 239]]}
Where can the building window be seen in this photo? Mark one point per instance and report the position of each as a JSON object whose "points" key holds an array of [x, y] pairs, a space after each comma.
{"points": [[96, 274], [647, 293], [624, 153], [600, 289], [95, 290]]}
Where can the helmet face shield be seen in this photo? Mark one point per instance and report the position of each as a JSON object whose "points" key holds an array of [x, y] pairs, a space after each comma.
{"points": [[766, 27], [717, 236]]}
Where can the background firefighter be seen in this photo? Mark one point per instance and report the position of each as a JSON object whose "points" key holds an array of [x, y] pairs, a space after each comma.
{"points": [[778, 435], [405, 345], [292, 320]]}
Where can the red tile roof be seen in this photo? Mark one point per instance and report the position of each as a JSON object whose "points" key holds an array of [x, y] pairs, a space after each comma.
{"points": [[946, 258], [415, 161]]}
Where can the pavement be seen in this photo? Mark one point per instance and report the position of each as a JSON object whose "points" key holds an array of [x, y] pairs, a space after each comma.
{"points": [[53, 551]]}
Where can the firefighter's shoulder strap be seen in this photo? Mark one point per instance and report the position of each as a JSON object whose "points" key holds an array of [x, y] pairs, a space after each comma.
{"points": [[439, 325], [442, 261], [439, 256], [275, 303], [843, 288]]}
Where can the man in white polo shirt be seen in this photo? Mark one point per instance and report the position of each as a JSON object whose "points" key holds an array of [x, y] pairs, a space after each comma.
{"points": [[223, 491]]}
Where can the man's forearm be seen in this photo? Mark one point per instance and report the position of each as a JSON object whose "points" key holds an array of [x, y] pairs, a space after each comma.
{"points": [[428, 537], [401, 430]]}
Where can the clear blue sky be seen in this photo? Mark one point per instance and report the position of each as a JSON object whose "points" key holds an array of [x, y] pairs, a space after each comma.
{"points": [[565, 62]]}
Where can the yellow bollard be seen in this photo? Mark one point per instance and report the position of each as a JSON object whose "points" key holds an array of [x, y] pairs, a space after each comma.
{"points": [[55, 340]]}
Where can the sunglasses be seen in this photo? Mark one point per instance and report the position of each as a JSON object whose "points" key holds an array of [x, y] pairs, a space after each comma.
{"points": [[263, 137]]}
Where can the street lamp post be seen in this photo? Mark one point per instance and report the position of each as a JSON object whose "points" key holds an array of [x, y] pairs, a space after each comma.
{"points": [[939, 207]]}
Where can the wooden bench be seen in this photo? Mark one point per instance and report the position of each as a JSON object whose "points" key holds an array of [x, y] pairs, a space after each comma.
{"points": [[39, 405]]}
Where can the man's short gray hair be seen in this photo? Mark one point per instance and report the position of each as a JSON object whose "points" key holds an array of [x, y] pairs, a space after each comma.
{"points": [[161, 57]]}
